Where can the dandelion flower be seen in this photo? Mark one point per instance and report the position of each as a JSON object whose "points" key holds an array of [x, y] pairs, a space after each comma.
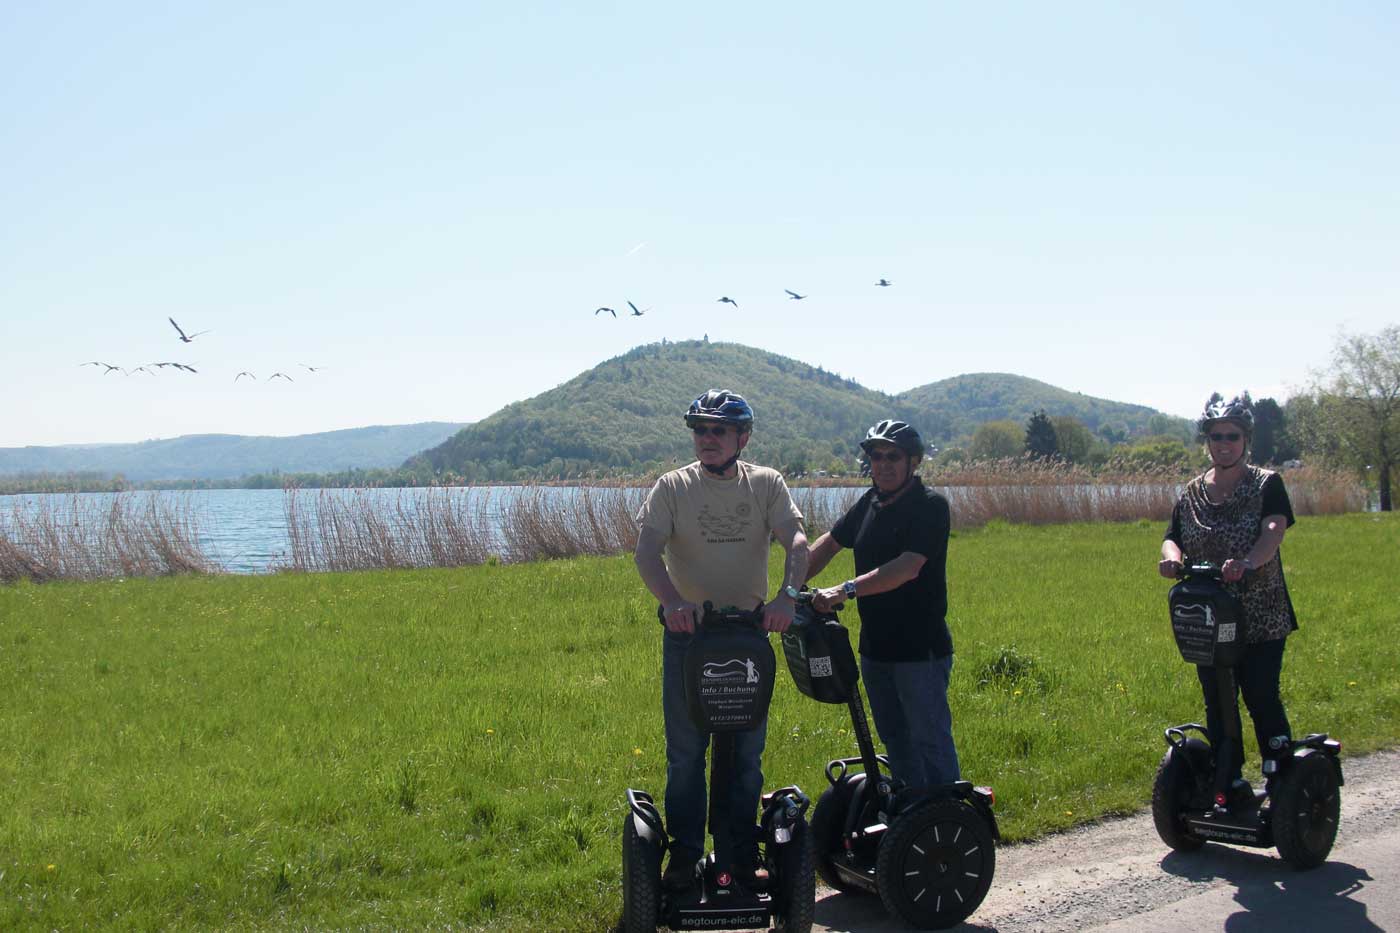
{"points": [[50, 867], [1015, 693], [1351, 683], [490, 731], [636, 751]]}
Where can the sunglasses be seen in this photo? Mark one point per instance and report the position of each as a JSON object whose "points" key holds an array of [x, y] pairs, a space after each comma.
{"points": [[1219, 436], [717, 430], [892, 456]]}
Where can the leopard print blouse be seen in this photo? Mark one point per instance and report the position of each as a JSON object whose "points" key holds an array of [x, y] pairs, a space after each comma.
{"points": [[1210, 532]]}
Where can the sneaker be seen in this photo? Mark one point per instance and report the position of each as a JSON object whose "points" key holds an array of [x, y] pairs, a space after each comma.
{"points": [[680, 870]]}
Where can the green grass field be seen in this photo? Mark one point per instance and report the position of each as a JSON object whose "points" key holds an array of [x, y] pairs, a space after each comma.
{"points": [[449, 748]]}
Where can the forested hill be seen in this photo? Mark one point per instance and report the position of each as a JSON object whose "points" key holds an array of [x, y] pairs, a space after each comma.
{"points": [[226, 456], [623, 416], [964, 402]]}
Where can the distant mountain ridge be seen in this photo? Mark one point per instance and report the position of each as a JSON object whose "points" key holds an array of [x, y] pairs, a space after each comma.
{"points": [[975, 398], [229, 456], [622, 415]]}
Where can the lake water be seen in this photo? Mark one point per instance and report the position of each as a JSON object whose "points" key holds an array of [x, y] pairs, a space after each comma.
{"points": [[245, 530]]}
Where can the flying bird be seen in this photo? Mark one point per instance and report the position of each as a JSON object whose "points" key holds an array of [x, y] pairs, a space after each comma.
{"points": [[283, 375], [793, 295], [183, 336], [883, 283], [601, 310], [109, 366], [635, 312], [184, 367], [141, 369], [245, 373], [729, 301], [311, 369]]}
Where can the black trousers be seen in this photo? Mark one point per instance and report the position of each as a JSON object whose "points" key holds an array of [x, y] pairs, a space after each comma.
{"points": [[1256, 677]]}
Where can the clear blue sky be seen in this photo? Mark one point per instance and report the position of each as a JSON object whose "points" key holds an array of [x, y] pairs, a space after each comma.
{"points": [[1142, 201]]}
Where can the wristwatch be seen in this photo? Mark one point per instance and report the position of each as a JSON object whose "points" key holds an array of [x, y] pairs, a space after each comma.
{"points": [[849, 587], [790, 591]]}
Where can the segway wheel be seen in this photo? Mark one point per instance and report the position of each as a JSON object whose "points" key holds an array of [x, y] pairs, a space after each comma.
{"points": [[797, 882], [935, 864], [1172, 790], [828, 820], [1306, 807], [641, 880]]}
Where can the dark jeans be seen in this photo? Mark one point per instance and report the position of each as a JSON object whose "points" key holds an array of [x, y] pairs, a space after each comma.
{"points": [[737, 804], [1256, 678], [909, 701]]}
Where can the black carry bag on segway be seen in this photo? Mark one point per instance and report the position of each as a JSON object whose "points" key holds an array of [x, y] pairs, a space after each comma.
{"points": [[729, 674], [1193, 796], [929, 853]]}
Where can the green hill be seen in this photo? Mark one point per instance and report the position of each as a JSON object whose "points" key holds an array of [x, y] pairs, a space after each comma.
{"points": [[961, 403], [227, 456], [623, 416]]}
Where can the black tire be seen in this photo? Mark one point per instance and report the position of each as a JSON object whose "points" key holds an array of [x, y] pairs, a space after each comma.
{"points": [[797, 881], [936, 863], [1172, 790], [828, 820], [1307, 804], [641, 880]]}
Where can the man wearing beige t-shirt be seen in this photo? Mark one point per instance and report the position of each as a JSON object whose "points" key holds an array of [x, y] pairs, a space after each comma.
{"points": [[704, 536]]}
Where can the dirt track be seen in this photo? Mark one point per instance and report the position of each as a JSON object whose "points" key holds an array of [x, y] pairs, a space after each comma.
{"points": [[1118, 876]]}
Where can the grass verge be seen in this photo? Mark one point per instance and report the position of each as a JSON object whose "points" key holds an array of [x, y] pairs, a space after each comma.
{"points": [[448, 748]]}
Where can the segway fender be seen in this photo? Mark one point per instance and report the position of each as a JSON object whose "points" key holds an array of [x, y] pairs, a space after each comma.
{"points": [[646, 819], [1307, 751]]}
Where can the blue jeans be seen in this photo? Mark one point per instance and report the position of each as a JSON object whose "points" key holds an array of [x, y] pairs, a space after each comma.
{"points": [[737, 804], [909, 700]]}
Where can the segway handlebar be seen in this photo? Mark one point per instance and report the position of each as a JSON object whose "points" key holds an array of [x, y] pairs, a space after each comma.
{"points": [[728, 615], [1201, 568], [807, 612]]}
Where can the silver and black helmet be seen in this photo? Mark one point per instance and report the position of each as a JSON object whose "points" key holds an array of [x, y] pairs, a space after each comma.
{"points": [[1238, 411]]}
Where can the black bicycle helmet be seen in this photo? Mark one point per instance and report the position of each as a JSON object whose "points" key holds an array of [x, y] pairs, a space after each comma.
{"points": [[721, 405], [897, 433], [1238, 411]]}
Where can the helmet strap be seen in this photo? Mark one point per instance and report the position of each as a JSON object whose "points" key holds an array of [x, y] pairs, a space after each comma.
{"points": [[884, 497], [723, 467]]}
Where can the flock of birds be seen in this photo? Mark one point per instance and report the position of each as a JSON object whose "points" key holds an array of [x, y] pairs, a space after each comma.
{"points": [[638, 312], [149, 368]]}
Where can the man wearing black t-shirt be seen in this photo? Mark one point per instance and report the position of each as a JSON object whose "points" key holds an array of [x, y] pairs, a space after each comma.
{"points": [[899, 532]]}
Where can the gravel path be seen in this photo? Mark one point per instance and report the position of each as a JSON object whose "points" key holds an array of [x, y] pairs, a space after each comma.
{"points": [[1118, 876]]}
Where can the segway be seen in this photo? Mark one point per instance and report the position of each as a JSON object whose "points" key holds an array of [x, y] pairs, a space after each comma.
{"points": [[930, 852], [729, 675], [1194, 799]]}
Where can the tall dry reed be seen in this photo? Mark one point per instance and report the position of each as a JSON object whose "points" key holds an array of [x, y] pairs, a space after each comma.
{"points": [[77, 537], [1320, 490], [364, 529]]}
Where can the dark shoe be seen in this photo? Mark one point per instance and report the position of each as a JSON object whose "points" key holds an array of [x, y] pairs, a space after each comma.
{"points": [[749, 869], [1241, 794], [680, 870]]}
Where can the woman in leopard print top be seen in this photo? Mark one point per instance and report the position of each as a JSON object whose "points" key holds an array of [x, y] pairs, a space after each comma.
{"points": [[1234, 515]]}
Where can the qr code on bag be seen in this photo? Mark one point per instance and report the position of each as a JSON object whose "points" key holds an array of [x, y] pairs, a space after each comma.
{"points": [[820, 667]]}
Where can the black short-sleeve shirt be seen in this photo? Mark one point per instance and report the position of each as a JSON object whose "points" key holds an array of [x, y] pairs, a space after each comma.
{"points": [[908, 623]]}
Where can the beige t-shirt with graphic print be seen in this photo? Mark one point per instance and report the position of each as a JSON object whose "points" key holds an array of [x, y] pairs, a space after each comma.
{"points": [[717, 530]]}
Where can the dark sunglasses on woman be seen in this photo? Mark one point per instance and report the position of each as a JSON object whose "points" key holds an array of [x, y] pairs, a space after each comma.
{"points": [[1219, 436]]}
